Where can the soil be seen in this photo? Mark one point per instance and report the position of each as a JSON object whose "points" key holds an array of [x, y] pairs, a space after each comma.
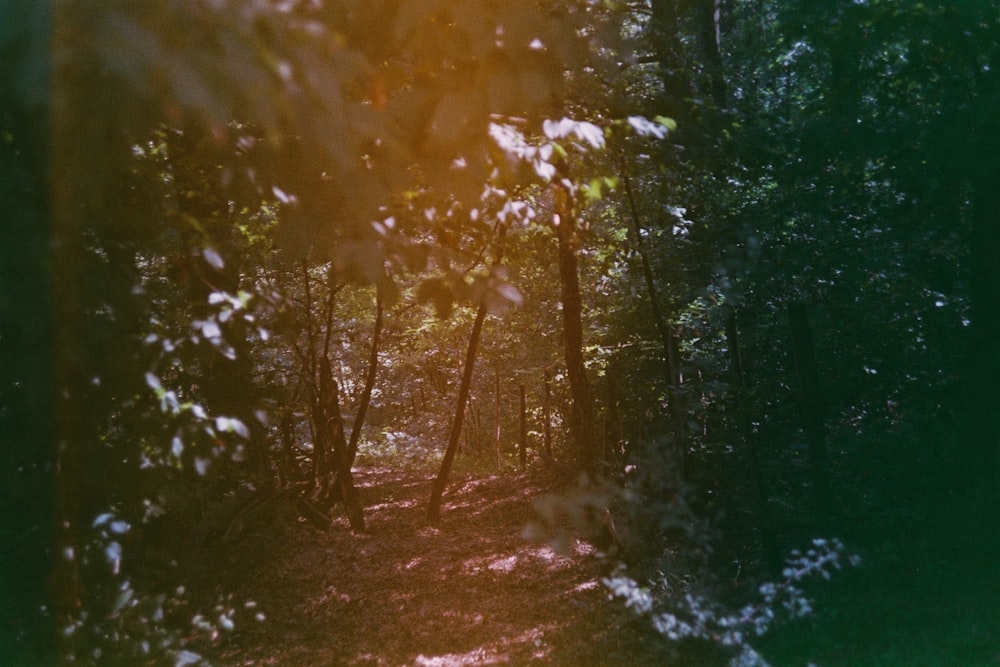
{"points": [[472, 591]]}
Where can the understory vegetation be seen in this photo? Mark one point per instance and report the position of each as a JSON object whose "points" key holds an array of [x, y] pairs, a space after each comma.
{"points": [[663, 331]]}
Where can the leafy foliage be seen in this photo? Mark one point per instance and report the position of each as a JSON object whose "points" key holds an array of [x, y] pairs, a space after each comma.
{"points": [[691, 616], [768, 227]]}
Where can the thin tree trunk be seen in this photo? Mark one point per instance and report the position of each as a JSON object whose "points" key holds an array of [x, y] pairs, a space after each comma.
{"points": [[334, 427], [524, 429], [287, 463], [981, 417], [309, 360], [465, 432], [441, 481], [812, 405], [366, 395], [323, 463], [547, 416], [613, 436], [749, 438], [477, 422], [743, 409], [668, 337], [472, 427], [496, 417]]}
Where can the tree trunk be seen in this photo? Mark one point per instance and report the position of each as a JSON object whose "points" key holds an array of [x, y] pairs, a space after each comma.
{"points": [[709, 14], [748, 438], [668, 337], [676, 86], [340, 465], [745, 428], [286, 466], [30, 424], [497, 426], [582, 418], [547, 417], [613, 435], [366, 394], [441, 481], [981, 417], [472, 428], [309, 362], [524, 429], [322, 406], [812, 406]]}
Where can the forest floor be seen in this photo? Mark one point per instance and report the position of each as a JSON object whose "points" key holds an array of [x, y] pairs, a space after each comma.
{"points": [[470, 592]]}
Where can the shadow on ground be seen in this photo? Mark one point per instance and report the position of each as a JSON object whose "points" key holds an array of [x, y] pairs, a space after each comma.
{"points": [[471, 592]]}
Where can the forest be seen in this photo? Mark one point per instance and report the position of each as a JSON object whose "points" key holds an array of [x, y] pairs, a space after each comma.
{"points": [[566, 332]]}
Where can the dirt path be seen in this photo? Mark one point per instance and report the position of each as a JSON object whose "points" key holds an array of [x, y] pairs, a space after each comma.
{"points": [[472, 592]]}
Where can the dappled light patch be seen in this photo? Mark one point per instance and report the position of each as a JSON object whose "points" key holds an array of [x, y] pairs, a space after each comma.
{"points": [[525, 561], [529, 643], [472, 485], [505, 565], [472, 592], [412, 563], [479, 656], [389, 506], [428, 531]]}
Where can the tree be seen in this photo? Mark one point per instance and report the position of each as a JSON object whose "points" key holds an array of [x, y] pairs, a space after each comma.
{"points": [[227, 133], [582, 421], [293, 108], [27, 416]]}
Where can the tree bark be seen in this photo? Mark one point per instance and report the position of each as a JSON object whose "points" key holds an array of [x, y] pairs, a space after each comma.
{"points": [[314, 384], [744, 426], [676, 86], [441, 481], [613, 435], [812, 406], [524, 429], [497, 426], [286, 465], [30, 424], [668, 337], [366, 394], [547, 416], [748, 438], [340, 465], [981, 418], [709, 14], [582, 416]]}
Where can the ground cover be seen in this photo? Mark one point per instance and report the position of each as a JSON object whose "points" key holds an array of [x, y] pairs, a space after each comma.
{"points": [[472, 591]]}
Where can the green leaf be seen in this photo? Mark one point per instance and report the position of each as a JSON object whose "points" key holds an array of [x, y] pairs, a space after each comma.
{"points": [[154, 383], [213, 257], [666, 122], [592, 191]]}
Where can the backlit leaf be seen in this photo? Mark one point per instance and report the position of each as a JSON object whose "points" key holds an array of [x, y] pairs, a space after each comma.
{"points": [[214, 259]]}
